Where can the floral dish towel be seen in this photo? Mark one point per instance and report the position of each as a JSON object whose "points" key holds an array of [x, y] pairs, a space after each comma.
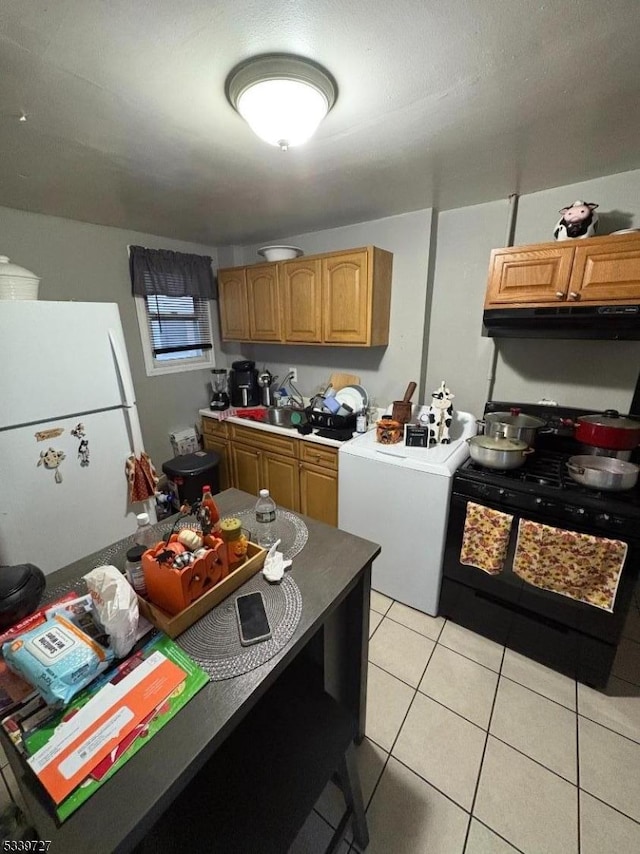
{"points": [[579, 566], [485, 538]]}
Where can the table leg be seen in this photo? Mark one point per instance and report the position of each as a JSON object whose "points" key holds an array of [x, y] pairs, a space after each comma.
{"points": [[346, 651]]}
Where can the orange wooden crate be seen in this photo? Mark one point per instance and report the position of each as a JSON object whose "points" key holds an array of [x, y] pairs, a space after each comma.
{"points": [[173, 625]]}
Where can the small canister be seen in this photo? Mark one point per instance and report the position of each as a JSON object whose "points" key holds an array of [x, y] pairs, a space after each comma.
{"points": [[133, 569], [389, 432], [235, 540]]}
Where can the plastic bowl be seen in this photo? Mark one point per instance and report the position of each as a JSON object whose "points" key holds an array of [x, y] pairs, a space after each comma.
{"points": [[280, 253]]}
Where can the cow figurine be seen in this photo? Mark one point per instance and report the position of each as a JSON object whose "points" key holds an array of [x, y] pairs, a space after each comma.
{"points": [[440, 415], [578, 220]]}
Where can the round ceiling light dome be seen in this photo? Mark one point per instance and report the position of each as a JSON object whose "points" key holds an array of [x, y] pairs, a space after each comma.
{"points": [[283, 98]]}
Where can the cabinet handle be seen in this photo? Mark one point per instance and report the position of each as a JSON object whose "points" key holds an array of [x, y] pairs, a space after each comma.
{"points": [[574, 295], [559, 294]]}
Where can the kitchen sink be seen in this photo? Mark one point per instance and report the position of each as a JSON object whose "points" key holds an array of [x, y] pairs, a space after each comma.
{"points": [[285, 416]]}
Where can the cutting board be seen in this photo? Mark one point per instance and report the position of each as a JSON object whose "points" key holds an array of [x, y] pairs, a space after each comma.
{"points": [[339, 381]]}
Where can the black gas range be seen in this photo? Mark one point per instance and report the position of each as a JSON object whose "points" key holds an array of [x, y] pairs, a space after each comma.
{"points": [[570, 636]]}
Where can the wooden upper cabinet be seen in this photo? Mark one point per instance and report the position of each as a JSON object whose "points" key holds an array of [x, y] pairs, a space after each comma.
{"points": [[233, 303], [346, 300], [603, 270], [606, 272], [301, 283], [339, 298], [535, 275], [264, 303]]}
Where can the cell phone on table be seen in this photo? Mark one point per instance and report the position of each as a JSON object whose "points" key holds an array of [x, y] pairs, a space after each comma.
{"points": [[252, 618]]}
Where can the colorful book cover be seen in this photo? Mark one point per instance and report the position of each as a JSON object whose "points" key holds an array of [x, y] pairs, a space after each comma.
{"points": [[135, 738]]}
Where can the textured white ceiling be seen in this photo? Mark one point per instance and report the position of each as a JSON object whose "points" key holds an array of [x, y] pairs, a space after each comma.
{"points": [[440, 103]]}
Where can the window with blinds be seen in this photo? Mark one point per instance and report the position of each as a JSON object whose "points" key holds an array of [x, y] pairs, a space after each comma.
{"points": [[179, 327], [175, 325]]}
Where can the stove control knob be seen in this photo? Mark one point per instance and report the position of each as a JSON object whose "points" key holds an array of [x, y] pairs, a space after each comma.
{"points": [[604, 517], [501, 493], [539, 502], [580, 511]]}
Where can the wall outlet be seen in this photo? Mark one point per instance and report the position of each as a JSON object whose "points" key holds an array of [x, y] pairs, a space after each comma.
{"points": [[293, 372]]}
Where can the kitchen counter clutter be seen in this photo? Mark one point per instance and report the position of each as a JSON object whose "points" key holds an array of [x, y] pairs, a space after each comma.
{"points": [[300, 471]]}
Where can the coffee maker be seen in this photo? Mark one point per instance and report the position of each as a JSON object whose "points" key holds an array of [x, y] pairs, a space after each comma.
{"points": [[243, 382], [219, 396]]}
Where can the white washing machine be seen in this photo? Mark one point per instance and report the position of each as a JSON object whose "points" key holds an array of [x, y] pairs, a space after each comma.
{"points": [[398, 496]]}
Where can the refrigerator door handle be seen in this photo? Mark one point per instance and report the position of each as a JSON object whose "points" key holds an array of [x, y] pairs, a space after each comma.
{"points": [[122, 368]]}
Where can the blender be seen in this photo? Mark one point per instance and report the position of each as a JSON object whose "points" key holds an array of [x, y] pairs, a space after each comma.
{"points": [[220, 396]]}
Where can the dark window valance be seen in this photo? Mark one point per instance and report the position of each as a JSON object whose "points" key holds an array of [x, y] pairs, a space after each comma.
{"points": [[170, 274]]}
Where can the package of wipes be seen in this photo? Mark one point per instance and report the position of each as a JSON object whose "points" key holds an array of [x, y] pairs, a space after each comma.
{"points": [[57, 658]]}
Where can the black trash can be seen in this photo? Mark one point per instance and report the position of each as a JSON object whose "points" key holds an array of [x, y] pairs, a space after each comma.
{"points": [[190, 472]]}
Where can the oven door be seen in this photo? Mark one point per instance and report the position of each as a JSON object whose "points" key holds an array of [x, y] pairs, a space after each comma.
{"points": [[552, 628]]}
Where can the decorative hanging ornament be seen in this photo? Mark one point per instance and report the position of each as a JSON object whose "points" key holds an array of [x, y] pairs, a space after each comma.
{"points": [[51, 459]]}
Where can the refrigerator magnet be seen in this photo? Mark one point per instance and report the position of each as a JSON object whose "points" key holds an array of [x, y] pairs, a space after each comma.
{"points": [[83, 452], [78, 431], [44, 435], [51, 459]]}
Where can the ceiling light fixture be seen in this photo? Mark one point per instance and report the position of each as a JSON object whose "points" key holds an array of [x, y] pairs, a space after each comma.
{"points": [[283, 98]]}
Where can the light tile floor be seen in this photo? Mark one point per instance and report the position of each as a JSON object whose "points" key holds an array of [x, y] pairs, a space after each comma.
{"points": [[473, 749]]}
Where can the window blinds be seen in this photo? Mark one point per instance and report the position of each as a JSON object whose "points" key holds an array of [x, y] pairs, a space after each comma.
{"points": [[178, 325], [176, 287]]}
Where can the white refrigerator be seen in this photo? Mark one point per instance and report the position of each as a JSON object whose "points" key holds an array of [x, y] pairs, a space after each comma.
{"points": [[64, 364]]}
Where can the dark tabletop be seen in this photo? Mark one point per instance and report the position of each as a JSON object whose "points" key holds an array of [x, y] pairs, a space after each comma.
{"points": [[326, 570]]}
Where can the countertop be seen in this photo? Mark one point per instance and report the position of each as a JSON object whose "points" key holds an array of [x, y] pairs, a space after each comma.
{"points": [[271, 428]]}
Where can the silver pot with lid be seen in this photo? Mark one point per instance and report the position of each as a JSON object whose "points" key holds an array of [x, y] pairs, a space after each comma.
{"points": [[498, 452], [514, 425]]}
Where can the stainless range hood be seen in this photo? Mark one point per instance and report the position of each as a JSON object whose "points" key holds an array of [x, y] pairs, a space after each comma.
{"points": [[596, 322]]}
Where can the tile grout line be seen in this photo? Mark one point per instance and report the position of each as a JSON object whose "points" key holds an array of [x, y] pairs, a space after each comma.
{"points": [[393, 744], [484, 749], [442, 643], [499, 835], [533, 690], [537, 761], [608, 728], [389, 673], [453, 711], [415, 631], [615, 809], [578, 770]]}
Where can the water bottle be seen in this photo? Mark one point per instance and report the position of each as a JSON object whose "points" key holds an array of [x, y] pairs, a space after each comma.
{"points": [[265, 520], [145, 535]]}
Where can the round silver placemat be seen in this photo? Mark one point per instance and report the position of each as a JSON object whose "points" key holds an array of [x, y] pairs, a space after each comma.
{"points": [[214, 641], [288, 528]]}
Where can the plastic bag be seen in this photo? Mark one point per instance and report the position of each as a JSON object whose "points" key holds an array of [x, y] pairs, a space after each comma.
{"points": [[57, 658], [116, 604]]}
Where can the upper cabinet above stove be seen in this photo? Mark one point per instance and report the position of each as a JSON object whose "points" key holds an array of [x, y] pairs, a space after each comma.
{"points": [[570, 289], [339, 299]]}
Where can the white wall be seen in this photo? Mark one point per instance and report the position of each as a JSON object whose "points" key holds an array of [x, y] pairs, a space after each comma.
{"points": [[593, 374], [89, 263], [384, 371]]}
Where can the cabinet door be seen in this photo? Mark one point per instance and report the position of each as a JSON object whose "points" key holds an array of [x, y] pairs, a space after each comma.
{"points": [[264, 303], [280, 477], [234, 309], [246, 469], [302, 293], [529, 275], [606, 272], [346, 298], [222, 448], [319, 494]]}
